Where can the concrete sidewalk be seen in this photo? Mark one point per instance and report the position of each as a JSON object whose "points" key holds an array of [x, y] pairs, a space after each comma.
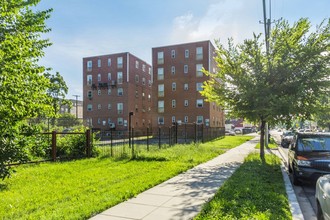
{"points": [[183, 196]]}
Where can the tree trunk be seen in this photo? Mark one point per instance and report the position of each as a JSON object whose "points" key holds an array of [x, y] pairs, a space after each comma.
{"points": [[262, 139]]}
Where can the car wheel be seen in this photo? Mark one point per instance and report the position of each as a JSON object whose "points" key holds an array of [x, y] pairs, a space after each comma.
{"points": [[295, 178], [289, 168], [319, 213]]}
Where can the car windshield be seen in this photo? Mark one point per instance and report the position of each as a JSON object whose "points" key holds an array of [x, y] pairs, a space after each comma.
{"points": [[288, 133], [314, 144]]}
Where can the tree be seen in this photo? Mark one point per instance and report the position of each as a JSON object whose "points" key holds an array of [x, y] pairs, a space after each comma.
{"points": [[57, 91], [23, 92], [288, 83]]}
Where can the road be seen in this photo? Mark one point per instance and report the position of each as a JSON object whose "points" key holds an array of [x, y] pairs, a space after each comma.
{"points": [[306, 192]]}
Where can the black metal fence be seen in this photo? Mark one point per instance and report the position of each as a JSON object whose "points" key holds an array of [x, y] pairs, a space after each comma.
{"points": [[129, 143]]}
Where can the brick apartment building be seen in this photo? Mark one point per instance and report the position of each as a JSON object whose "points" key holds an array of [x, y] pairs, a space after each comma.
{"points": [[113, 86], [177, 80]]}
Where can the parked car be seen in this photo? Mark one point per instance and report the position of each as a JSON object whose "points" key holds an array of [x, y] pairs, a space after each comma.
{"points": [[309, 156], [322, 196], [230, 133], [286, 138]]}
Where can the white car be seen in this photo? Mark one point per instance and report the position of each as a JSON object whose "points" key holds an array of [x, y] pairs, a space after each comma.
{"points": [[322, 196]]}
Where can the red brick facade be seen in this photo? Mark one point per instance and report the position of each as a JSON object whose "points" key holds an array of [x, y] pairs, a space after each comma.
{"points": [[113, 86], [176, 84]]}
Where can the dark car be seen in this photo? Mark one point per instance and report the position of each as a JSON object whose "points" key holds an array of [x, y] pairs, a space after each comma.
{"points": [[286, 138], [322, 196], [309, 156]]}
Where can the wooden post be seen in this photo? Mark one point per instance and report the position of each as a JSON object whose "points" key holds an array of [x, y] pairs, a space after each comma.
{"points": [[54, 145]]}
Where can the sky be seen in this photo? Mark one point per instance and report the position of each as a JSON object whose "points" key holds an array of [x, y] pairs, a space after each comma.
{"points": [[84, 28]]}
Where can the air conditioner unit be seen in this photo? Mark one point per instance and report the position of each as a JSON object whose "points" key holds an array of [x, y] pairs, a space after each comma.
{"points": [[112, 125]]}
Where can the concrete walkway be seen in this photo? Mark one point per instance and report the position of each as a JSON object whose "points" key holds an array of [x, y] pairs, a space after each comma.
{"points": [[183, 196]]}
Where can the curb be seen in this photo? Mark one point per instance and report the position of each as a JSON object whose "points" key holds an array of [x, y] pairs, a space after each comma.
{"points": [[293, 202]]}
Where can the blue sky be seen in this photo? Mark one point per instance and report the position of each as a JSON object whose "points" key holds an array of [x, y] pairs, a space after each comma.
{"points": [[82, 28]]}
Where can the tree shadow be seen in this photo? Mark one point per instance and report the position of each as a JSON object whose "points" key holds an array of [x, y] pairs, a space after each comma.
{"points": [[3, 187]]}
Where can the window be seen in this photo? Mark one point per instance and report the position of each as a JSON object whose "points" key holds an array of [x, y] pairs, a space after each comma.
{"points": [[173, 86], [149, 71], [89, 107], [143, 67], [99, 63], [160, 73], [186, 119], [185, 69], [186, 53], [199, 119], [109, 61], [109, 91], [143, 81], [199, 103], [160, 58], [199, 68], [173, 70], [161, 90], [120, 91], [119, 62], [109, 76], [160, 106], [199, 53], [120, 77], [173, 103], [109, 106], [89, 79], [199, 87], [120, 121], [137, 78], [89, 65], [99, 92], [137, 64], [173, 119], [173, 53], [98, 120], [186, 102], [120, 108], [89, 94], [99, 77], [160, 120], [99, 106], [185, 86]]}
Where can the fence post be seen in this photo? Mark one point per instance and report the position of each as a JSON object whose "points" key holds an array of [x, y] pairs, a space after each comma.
{"points": [[147, 138], [111, 150], [176, 132], [88, 143], [169, 135], [202, 133], [132, 142], [159, 145], [195, 126], [185, 132], [54, 145]]}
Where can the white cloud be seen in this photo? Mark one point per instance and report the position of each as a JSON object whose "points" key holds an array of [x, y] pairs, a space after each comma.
{"points": [[224, 19]]}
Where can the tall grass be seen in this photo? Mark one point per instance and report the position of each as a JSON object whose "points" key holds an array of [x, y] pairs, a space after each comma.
{"points": [[82, 188]]}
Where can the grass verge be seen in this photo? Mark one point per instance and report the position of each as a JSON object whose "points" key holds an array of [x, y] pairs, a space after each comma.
{"points": [[80, 189], [255, 191]]}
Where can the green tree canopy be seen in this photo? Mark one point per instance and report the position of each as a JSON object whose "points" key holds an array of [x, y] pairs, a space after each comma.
{"points": [[23, 92], [288, 83]]}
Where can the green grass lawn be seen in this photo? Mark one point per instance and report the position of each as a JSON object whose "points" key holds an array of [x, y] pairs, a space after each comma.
{"points": [[255, 191], [82, 188]]}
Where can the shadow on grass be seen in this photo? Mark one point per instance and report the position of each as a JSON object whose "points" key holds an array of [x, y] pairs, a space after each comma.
{"points": [[146, 158], [3, 187]]}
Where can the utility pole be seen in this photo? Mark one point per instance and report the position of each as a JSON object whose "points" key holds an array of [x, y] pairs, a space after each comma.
{"points": [[267, 23], [76, 104]]}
